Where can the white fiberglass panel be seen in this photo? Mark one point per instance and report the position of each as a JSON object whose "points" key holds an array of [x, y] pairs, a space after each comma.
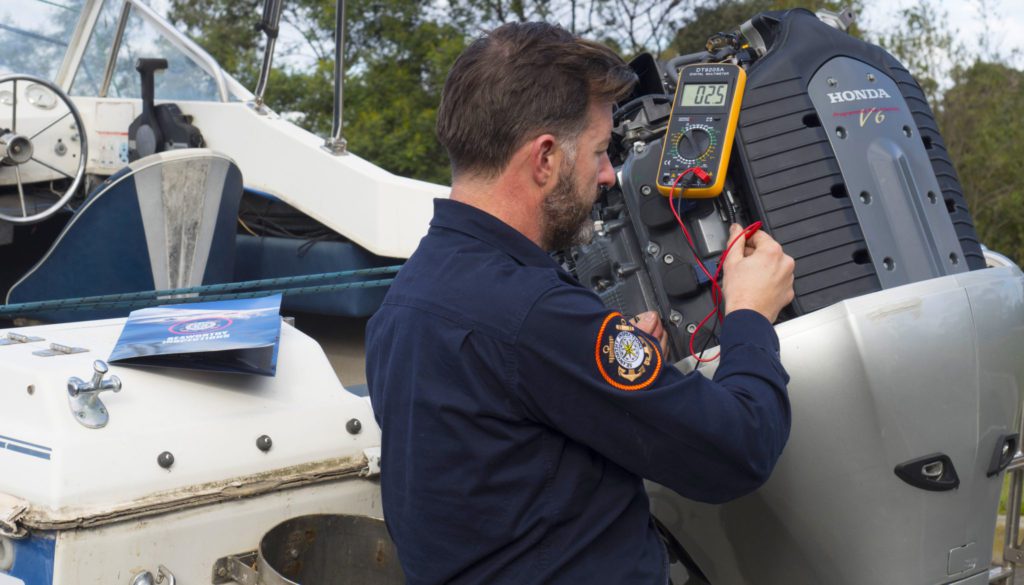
{"points": [[209, 422], [380, 211]]}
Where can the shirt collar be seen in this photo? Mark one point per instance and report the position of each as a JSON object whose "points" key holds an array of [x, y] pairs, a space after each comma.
{"points": [[479, 224]]}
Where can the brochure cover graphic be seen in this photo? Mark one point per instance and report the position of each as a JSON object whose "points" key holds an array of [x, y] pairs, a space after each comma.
{"points": [[238, 335]]}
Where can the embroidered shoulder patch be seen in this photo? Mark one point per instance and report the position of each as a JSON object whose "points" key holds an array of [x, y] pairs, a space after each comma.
{"points": [[625, 357]]}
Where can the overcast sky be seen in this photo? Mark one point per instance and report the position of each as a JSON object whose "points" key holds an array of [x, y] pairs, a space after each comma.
{"points": [[1007, 21]]}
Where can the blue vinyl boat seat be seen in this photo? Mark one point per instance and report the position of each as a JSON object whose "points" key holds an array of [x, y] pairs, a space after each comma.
{"points": [[166, 221]]}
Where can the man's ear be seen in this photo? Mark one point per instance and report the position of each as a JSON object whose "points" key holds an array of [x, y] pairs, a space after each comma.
{"points": [[544, 157]]}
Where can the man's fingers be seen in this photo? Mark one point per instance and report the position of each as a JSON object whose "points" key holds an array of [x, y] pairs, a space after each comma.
{"points": [[658, 332], [650, 323], [735, 230], [738, 241], [763, 282], [647, 321], [759, 239]]}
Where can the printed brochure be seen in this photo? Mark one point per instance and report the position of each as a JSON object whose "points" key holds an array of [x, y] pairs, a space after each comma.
{"points": [[238, 335]]}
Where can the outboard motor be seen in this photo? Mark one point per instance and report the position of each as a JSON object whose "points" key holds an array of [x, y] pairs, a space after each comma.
{"points": [[162, 127], [903, 349]]}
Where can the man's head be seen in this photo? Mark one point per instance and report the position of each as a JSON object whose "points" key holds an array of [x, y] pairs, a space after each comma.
{"points": [[535, 87]]}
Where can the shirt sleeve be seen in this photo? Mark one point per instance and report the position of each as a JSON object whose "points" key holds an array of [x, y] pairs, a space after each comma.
{"points": [[590, 374]]}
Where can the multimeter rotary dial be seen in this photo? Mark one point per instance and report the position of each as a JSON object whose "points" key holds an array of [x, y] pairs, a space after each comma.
{"points": [[694, 144]]}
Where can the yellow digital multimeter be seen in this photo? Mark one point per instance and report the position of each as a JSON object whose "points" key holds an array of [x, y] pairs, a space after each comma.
{"points": [[705, 111]]}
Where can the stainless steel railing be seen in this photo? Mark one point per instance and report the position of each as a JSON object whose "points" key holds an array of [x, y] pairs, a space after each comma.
{"points": [[336, 143], [1013, 550]]}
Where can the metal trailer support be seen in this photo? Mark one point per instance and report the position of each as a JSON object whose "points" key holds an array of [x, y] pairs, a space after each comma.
{"points": [[1013, 549]]}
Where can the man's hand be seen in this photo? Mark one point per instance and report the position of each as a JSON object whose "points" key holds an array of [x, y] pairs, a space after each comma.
{"points": [[650, 324], [760, 278]]}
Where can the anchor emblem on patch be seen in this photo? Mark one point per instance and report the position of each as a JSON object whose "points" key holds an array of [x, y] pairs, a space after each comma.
{"points": [[626, 358]]}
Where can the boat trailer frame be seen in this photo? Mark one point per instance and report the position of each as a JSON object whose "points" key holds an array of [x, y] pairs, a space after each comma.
{"points": [[1013, 548]]}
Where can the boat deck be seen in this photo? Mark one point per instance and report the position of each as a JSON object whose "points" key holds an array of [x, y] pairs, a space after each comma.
{"points": [[343, 340]]}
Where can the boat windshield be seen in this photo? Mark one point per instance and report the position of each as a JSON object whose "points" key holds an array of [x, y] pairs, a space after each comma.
{"points": [[184, 78], [38, 36], [34, 35]]}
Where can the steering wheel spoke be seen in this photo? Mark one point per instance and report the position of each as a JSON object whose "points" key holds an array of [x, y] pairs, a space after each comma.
{"points": [[51, 167], [19, 149], [21, 192], [48, 126]]}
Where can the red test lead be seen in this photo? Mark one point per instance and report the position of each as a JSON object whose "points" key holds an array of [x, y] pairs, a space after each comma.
{"points": [[716, 290]]}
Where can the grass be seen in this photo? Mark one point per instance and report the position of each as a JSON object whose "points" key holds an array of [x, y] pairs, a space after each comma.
{"points": [[1006, 494], [998, 543]]}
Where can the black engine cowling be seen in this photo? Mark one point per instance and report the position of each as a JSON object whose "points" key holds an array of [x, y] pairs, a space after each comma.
{"points": [[837, 153]]}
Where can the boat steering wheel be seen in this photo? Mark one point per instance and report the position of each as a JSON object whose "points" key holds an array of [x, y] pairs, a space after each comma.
{"points": [[17, 148]]}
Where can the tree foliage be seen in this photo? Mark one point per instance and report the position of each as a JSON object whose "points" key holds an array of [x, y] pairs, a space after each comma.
{"points": [[926, 45], [978, 100], [728, 15], [225, 28], [398, 53], [629, 26], [396, 57], [982, 121]]}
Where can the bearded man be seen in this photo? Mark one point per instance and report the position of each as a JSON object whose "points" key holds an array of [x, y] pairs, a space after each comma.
{"points": [[514, 450]]}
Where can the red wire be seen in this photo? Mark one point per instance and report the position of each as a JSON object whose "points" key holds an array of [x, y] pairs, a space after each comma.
{"points": [[716, 290], [714, 284], [746, 233]]}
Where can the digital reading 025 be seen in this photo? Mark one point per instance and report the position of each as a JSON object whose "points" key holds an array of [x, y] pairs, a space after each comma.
{"points": [[704, 94]]}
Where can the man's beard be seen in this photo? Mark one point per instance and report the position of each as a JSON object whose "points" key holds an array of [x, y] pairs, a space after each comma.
{"points": [[567, 213]]}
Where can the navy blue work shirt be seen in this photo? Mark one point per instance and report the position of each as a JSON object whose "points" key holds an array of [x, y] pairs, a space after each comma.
{"points": [[519, 416]]}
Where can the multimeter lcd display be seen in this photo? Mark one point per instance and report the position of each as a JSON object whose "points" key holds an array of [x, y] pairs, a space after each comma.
{"points": [[700, 133], [704, 94]]}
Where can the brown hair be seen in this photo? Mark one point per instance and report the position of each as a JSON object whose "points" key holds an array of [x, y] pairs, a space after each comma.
{"points": [[517, 82]]}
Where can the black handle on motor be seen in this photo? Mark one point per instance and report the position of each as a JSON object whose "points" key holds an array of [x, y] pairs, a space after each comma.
{"points": [[1006, 449], [934, 473], [147, 67]]}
